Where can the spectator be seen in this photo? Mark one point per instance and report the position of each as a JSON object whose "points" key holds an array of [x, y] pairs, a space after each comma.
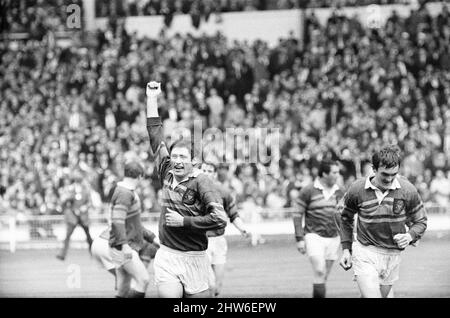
{"points": [[440, 189], [216, 108]]}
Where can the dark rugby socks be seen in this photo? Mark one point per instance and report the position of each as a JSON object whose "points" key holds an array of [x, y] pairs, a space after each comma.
{"points": [[135, 294], [319, 290]]}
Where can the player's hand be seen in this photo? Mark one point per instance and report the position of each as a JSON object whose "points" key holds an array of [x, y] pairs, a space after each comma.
{"points": [[153, 89], [346, 260], [173, 218], [402, 240], [301, 246]]}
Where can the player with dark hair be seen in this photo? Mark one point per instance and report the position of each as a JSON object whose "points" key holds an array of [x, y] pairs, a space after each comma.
{"points": [[127, 235], [217, 244], [191, 206], [100, 249], [77, 203], [391, 216], [319, 236]]}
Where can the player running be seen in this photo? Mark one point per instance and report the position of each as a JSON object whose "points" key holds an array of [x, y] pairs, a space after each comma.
{"points": [[190, 207], [319, 237], [217, 244], [387, 204], [126, 235]]}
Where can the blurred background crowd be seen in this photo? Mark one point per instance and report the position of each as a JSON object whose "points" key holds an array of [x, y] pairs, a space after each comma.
{"points": [[205, 8], [71, 116], [35, 17]]}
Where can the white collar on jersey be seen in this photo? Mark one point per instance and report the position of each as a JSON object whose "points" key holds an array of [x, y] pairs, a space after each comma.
{"points": [[193, 174], [369, 185], [327, 193], [319, 185]]}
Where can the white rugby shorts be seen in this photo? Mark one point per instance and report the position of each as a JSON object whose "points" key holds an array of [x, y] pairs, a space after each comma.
{"points": [[326, 247], [119, 259], [217, 250], [191, 269], [379, 263], [100, 252]]}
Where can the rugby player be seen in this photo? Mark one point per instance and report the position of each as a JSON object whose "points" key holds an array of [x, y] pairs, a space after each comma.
{"points": [[191, 206], [126, 235], [77, 202], [100, 250], [217, 244], [391, 216], [319, 236]]}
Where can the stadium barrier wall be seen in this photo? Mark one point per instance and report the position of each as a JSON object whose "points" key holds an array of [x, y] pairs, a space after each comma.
{"points": [[20, 232], [266, 25], [376, 15], [269, 25]]}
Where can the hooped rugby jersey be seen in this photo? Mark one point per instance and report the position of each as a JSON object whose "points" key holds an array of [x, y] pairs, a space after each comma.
{"points": [[380, 219], [125, 224], [195, 198], [319, 209]]}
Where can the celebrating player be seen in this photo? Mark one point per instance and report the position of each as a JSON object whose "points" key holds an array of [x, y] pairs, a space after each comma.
{"points": [[126, 235], [386, 204], [190, 207], [319, 237], [217, 244]]}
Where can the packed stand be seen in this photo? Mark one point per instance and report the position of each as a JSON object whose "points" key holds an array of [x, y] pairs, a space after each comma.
{"points": [[202, 10], [351, 3], [37, 18], [105, 8], [79, 111]]}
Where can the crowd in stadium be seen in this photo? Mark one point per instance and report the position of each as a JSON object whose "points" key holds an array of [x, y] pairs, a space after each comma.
{"points": [[35, 17], [75, 114], [205, 8], [202, 10]]}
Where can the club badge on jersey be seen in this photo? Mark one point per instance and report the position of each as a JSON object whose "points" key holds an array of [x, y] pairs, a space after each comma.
{"points": [[189, 197], [399, 205]]}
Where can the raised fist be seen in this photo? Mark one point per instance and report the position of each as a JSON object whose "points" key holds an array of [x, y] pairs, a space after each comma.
{"points": [[153, 89]]}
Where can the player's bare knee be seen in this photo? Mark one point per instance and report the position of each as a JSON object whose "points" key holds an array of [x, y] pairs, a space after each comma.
{"points": [[320, 272]]}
